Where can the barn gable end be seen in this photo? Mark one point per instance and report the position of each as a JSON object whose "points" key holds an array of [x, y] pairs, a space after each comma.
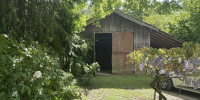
{"points": [[116, 23]]}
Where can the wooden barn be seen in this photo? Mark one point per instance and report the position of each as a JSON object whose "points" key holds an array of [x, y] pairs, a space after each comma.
{"points": [[118, 35]]}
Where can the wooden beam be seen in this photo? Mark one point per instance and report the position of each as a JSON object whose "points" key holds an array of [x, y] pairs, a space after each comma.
{"points": [[161, 37], [154, 46], [161, 44], [155, 39], [167, 37]]}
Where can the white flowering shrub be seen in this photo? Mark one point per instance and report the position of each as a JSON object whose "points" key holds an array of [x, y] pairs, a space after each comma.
{"points": [[37, 74], [28, 73]]}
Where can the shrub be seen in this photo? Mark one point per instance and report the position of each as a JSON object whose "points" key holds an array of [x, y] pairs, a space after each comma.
{"points": [[30, 73], [78, 58], [89, 72]]}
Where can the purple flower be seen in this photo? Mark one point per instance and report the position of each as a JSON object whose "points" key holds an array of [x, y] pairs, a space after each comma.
{"points": [[145, 56], [141, 66], [157, 60], [195, 62], [161, 64], [187, 64]]}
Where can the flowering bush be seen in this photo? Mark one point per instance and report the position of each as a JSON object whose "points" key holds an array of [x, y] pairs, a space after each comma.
{"points": [[183, 62], [37, 74], [30, 73]]}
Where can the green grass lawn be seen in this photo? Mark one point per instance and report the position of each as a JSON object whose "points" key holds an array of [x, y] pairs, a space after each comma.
{"points": [[119, 87]]}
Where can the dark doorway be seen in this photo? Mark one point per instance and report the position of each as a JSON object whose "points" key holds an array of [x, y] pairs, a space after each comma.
{"points": [[103, 49]]}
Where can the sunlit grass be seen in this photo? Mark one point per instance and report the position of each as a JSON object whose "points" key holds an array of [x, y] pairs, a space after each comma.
{"points": [[119, 87]]}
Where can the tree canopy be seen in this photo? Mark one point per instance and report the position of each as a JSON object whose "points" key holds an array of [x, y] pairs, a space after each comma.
{"points": [[179, 18]]}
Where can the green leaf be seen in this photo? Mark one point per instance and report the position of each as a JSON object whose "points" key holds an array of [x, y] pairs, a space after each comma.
{"points": [[28, 89], [2, 95], [17, 97], [22, 90]]}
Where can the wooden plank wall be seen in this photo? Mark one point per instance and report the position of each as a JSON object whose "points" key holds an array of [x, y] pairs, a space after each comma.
{"points": [[116, 23], [121, 47]]}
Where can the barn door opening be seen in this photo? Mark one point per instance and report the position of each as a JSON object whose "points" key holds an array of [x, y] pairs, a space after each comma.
{"points": [[103, 50]]}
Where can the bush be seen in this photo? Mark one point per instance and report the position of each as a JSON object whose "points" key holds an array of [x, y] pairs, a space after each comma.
{"points": [[78, 58], [88, 73], [30, 73]]}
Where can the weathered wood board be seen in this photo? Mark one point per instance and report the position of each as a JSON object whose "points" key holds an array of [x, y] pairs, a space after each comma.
{"points": [[122, 45]]}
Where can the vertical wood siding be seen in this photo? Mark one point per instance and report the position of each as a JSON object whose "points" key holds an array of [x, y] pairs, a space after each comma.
{"points": [[116, 23], [122, 45]]}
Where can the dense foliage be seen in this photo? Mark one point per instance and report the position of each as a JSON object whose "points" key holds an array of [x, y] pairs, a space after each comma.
{"points": [[177, 17], [54, 24], [180, 21], [184, 62], [30, 73], [42, 39]]}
